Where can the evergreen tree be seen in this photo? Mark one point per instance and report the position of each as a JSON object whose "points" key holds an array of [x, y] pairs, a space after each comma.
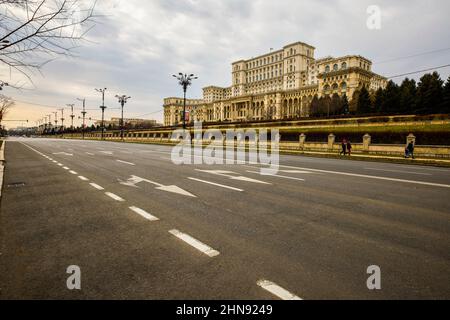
{"points": [[407, 96], [445, 108], [344, 105], [378, 100], [391, 99], [364, 105], [335, 105], [314, 106], [429, 94]]}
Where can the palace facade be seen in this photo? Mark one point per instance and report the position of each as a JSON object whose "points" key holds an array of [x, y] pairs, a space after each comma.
{"points": [[278, 85]]}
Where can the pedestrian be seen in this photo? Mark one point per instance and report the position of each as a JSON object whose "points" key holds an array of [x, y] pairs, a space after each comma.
{"points": [[344, 147], [349, 148], [409, 151]]}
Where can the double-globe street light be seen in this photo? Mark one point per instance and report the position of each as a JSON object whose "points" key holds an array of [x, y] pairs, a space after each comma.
{"points": [[122, 100], [103, 107], [185, 81]]}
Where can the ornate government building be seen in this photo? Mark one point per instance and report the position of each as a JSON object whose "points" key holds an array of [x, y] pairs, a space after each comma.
{"points": [[277, 85]]}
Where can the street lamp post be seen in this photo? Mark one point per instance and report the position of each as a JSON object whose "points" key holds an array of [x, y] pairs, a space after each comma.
{"points": [[62, 118], [103, 107], [84, 115], [122, 100], [72, 115], [185, 81]]}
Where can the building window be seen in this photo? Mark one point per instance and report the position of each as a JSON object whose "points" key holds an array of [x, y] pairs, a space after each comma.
{"points": [[327, 69], [344, 65], [344, 86], [335, 67]]}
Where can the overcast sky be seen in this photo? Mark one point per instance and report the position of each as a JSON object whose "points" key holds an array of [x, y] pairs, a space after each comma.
{"points": [[138, 45]]}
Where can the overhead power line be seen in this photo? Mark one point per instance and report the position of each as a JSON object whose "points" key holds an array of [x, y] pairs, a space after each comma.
{"points": [[412, 56], [419, 71]]}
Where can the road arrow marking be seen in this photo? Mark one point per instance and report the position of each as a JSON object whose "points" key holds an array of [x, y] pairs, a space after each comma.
{"points": [[134, 180]]}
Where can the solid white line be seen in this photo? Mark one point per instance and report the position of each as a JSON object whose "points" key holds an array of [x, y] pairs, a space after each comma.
{"points": [[144, 214], [126, 162], [83, 178], [114, 196], [276, 175], [372, 177], [96, 186], [73, 172], [400, 171], [216, 184], [195, 243], [276, 290]]}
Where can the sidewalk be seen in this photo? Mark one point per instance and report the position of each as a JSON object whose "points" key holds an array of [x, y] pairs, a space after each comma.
{"points": [[375, 158]]}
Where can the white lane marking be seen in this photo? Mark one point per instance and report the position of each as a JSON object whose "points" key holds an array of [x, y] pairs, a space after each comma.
{"points": [[107, 152], [91, 154], [372, 177], [96, 186], [83, 178], [276, 175], [126, 162], [60, 164], [400, 171], [114, 196], [276, 290], [229, 174], [216, 184], [200, 246], [65, 168], [54, 161], [73, 172], [144, 214], [63, 153]]}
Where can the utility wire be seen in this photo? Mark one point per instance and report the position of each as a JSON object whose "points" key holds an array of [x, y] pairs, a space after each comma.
{"points": [[419, 71], [412, 56]]}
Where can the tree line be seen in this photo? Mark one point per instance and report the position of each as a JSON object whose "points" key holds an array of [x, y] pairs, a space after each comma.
{"points": [[429, 96]]}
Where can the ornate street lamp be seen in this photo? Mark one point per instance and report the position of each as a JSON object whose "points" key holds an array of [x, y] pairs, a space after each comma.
{"points": [[185, 81], [122, 100]]}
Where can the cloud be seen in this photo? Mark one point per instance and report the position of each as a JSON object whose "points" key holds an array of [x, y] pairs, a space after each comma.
{"points": [[138, 45]]}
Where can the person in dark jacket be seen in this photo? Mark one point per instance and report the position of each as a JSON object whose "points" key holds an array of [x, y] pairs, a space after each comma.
{"points": [[349, 148], [344, 147], [409, 151]]}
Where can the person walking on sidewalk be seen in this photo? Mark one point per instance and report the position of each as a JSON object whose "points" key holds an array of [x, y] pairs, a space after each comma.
{"points": [[349, 148], [344, 147], [409, 151]]}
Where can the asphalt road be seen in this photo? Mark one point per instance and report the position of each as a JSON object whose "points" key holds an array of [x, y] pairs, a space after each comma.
{"points": [[312, 230]]}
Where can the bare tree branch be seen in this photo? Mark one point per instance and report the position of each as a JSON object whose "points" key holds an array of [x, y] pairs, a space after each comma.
{"points": [[5, 104], [35, 32]]}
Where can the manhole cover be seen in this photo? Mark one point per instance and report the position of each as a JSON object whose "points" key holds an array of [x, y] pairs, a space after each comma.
{"points": [[16, 185]]}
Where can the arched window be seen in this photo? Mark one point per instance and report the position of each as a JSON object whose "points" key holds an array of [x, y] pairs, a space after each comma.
{"points": [[326, 88], [327, 69], [344, 65], [335, 67], [335, 86], [344, 86]]}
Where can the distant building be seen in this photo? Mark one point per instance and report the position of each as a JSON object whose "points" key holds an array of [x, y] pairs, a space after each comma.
{"points": [[278, 85], [129, 122]]}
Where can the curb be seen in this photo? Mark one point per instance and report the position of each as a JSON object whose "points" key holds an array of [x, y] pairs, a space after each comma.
{"points": [[2, 165]]}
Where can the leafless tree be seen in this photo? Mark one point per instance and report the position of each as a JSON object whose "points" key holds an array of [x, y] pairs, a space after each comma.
{"points": [[5, 104], [34, 32]]}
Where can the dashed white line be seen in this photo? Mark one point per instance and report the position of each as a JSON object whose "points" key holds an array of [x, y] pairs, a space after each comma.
{"points": [[60, 164], [400, 171], [216, 184], [96, 186], [73, 172], [276, 290], [83, 178], [126, 162], [114, 196], [200, 246], [144, 214], [65, 168]]}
